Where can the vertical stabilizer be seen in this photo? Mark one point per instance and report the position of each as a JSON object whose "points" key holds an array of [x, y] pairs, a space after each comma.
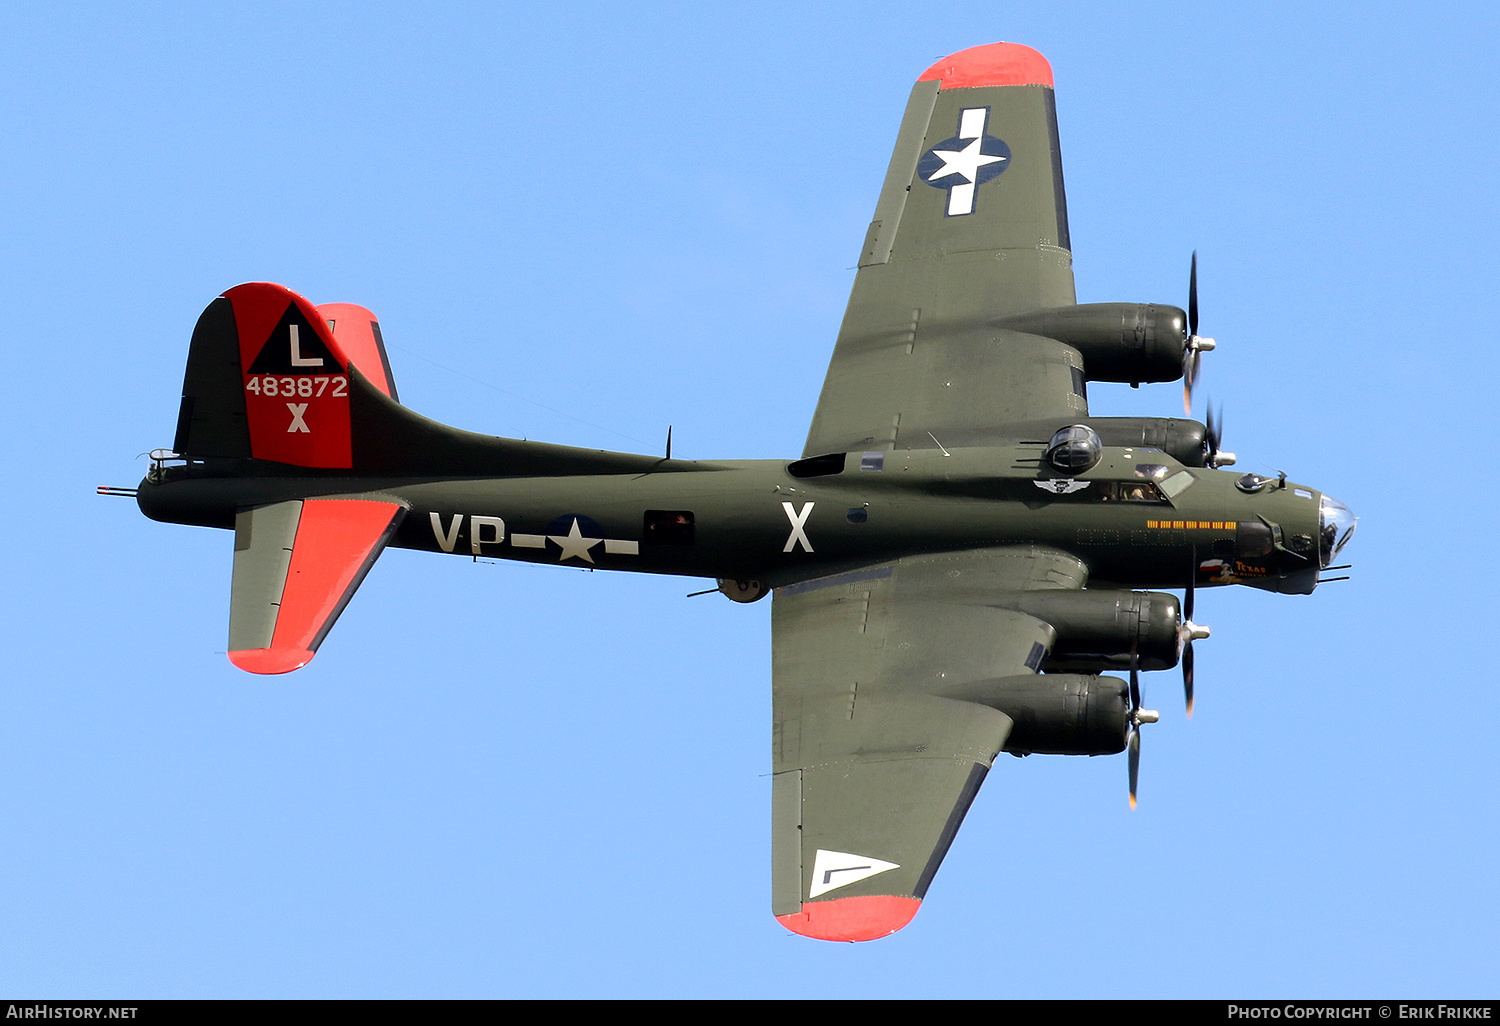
{"points": [[267, 380]]}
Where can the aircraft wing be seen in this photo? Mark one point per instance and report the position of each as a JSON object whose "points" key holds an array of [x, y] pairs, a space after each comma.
{"points": [[971, 226], [882, 737], [296, 566]]}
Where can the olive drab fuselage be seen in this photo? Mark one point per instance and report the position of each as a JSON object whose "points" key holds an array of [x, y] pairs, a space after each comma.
{"points": [[756, 519]]}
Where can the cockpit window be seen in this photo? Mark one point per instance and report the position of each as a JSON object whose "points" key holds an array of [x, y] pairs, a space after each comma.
{"points": [[1129, 491], [1073, 490], [1177, 484]]}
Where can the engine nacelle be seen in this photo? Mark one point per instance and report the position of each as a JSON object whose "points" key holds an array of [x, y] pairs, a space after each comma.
{"points": [[1096, 629], [1180, 439], [1058, 714], [1130, 342]]}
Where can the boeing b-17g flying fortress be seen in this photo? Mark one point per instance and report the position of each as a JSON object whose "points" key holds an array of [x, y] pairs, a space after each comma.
{"points": [[952, 560]]}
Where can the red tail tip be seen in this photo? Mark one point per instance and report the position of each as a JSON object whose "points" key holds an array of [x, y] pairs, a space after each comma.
{"points": [[270, 660]]}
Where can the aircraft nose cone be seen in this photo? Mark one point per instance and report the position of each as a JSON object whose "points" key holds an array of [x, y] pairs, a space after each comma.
{"points": [[1335, 527]]}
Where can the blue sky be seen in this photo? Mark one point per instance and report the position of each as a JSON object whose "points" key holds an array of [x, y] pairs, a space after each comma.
{"points": [[506, 780]]}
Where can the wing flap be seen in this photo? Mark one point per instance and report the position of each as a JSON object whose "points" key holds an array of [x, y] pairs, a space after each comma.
{"points": [[296, 566]]}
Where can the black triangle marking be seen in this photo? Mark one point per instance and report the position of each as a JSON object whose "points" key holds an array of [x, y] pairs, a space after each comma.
{"points": [[275, 355]]}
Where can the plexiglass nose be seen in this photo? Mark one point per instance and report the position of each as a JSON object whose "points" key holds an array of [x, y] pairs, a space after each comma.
{"points": [[1335, 526]]}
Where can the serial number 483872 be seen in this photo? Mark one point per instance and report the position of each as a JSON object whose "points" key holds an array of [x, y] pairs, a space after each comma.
{"points": [[305, 386]]}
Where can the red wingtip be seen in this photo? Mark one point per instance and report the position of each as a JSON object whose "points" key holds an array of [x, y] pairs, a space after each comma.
{"points": [[270, 660], [852, 919], [996, 64]]}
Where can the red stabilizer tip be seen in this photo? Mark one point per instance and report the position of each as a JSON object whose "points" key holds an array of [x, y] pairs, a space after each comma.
{"points": [[270, 660], [998, 64], [353, 329], [852, 919]]}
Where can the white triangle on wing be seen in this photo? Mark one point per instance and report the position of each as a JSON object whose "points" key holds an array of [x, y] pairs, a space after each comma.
{"points": [[835, 869]]}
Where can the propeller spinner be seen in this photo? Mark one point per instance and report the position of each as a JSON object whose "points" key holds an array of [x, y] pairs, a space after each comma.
{"points": [[1213, 439]]}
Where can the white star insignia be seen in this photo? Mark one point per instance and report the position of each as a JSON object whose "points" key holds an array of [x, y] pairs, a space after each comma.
{"points": [[574, 544], [965, 162]]}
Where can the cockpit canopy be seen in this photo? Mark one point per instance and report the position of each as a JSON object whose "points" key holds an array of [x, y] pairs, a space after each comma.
{"points": [[1074, 449]]}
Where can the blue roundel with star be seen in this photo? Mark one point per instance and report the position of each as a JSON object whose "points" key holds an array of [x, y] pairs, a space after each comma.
{"points": [[965, 162]]}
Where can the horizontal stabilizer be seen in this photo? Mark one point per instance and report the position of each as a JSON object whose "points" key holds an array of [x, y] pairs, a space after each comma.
{"points": [[357, 332], [296, 565]]}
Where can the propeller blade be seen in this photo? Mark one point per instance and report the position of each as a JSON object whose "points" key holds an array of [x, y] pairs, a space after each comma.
{"points": [[1195, 343], [1133, 744], [1187, 676], [1187, 605], [1189, 378], [1185, 633], [1135, 678], [1193, 296], [1138, 716]]}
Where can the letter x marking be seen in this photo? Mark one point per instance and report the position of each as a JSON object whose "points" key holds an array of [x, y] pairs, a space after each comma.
{"points": [[298, 424], [799, 520]]}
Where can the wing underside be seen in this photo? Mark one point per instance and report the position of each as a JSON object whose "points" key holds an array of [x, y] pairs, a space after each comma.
{"points": [[971, 226], [883, 728]]}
